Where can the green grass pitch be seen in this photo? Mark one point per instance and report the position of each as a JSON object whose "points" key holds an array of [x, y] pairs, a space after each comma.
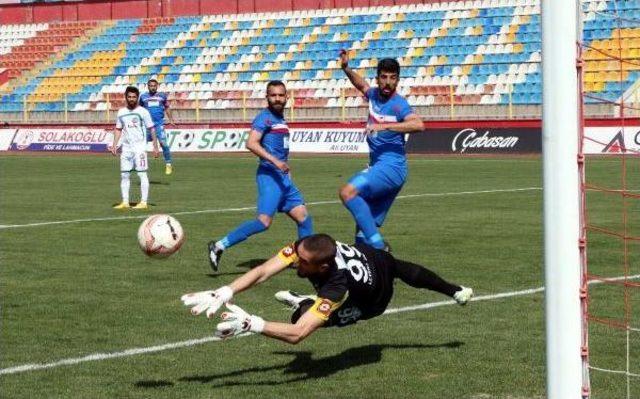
{"points": [[71, 290]]}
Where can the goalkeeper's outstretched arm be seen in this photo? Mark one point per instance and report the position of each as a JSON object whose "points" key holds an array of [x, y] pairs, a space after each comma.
{"points": [[293, 333], [258, 274], [236, 321], [209, 302]]}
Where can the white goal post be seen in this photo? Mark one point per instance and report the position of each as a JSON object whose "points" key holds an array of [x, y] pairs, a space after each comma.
{"points": [[560, 135]]}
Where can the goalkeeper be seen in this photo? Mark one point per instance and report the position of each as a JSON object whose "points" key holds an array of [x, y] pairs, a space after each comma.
{"points": [[352, 282]]}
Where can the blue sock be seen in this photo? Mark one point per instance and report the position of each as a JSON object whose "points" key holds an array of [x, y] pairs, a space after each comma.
{"points": [[305, 228], [362, 214], [242, 232], [360, 238], [166, 152]]}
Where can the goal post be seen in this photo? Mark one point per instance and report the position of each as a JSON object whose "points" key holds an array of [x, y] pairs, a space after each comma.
{"points": [[562, 201]]}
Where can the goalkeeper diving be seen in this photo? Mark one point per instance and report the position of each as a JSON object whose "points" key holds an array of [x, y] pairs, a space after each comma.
{"points": [[352, 283]]}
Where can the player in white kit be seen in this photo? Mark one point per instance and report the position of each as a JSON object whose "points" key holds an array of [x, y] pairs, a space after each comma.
{"points": [[132, 124]]}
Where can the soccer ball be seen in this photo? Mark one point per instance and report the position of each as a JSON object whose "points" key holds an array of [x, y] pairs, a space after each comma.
{"points": [[160, 236]]}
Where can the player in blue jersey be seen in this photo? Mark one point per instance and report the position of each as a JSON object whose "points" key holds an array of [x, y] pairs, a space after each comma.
{"points": [[269, 141], [157, 105], [368, 195]]}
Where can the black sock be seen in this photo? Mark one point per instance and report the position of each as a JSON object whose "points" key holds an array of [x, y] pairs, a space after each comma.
{"points": [[420, 277]]}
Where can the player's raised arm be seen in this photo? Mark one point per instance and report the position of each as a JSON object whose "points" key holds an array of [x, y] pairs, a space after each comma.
{"points": [[356, 80], [211, 301], [412, 123], [253, 145]]}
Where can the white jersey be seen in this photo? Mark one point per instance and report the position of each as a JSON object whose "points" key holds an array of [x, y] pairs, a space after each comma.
{"points": [[134, 124]]}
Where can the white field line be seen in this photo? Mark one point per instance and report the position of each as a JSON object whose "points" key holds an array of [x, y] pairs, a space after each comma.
{"points": [[193, 342], [249, 208]]}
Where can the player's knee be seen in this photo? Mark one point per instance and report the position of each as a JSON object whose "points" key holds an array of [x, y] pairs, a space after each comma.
{"points": [[124, 175], [347, 192], [265, 220], [300, 214]]}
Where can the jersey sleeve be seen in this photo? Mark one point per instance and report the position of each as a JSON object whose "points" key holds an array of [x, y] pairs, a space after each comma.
{"points": [[331, 296], [165, 101], [118, 121], [260, 124], [403, 110], [288, 254], [148, 122], [370, 93], [141, 100], [323, 308]]}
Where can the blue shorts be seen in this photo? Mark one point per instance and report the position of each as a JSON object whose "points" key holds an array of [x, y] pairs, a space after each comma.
{"points": [[276, 193], [159, 134], [378, 186]]}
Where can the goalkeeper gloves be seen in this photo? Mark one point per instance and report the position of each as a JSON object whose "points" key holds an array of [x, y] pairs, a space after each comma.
{"points": [[237, 321], [209, 301]]}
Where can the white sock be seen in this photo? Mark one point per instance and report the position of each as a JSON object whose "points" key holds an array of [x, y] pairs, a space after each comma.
{"points": [[144, 186], [124, 186]]}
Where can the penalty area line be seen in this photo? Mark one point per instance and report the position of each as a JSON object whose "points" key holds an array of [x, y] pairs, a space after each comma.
{"points": [[250, 208], [193, 342]]}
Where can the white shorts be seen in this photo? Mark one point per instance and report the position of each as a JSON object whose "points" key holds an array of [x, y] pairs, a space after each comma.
{"points": [[133, 160]]}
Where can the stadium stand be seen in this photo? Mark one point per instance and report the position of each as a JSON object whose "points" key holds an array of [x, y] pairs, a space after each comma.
{"points": [[481, 55]]}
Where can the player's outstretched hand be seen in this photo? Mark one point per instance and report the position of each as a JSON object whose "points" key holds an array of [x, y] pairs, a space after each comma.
{"points": [[236, 321], [344, 58], [209, 301]]}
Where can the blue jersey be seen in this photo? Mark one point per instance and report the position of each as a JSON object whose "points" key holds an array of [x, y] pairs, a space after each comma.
{"points": [[275, 136], [155, 104], [387, 146]]}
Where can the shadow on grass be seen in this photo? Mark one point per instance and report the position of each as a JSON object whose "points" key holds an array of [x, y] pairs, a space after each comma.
{"points": [[304, 367], [216, 275], [250, 264], [159, 183], [153, 384]]}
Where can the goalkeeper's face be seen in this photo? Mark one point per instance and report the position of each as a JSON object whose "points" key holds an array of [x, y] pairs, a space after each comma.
{"points": [[306, 267]]}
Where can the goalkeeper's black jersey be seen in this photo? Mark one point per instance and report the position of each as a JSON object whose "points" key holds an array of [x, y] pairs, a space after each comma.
{"points": [[361, 274]]}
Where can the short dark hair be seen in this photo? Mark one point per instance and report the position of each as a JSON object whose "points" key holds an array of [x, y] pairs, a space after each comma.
{"points": [[322, 247], [389, 65], [151, 81], [131, 89], [274, 83]]}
